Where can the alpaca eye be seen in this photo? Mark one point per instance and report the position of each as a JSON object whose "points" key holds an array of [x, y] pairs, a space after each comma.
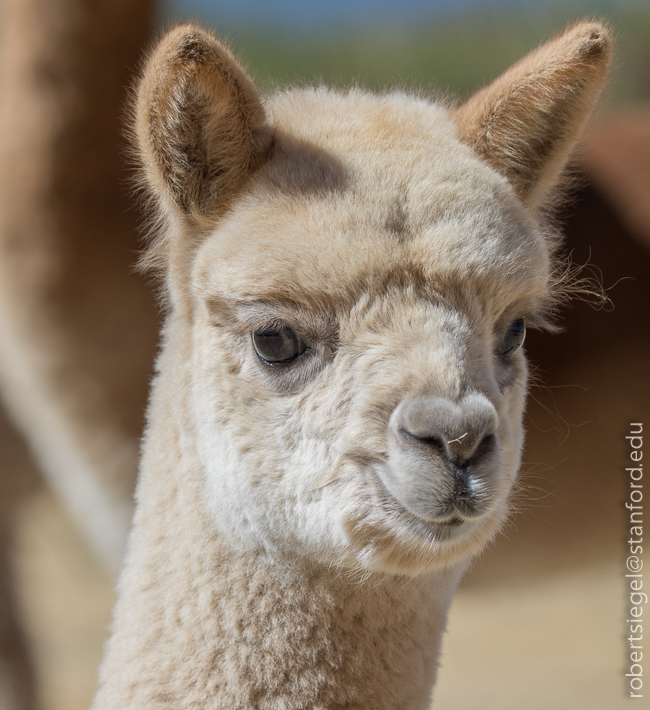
{"points": [[513, 338], [277, 345]]}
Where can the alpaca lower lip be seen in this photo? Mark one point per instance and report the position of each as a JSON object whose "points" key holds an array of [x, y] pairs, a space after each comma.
{"points": [[451, 522], [441, 529]]}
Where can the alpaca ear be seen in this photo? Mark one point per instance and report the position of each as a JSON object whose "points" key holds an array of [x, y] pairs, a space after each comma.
{"points": [[200, 126], [526, 123]]}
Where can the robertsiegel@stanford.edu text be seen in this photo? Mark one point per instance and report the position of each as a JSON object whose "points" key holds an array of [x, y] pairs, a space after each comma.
{"points": [[638, 599]]}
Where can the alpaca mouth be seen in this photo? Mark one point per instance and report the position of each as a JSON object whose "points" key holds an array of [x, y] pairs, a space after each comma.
{"points": [[452, 522], [439, 529]]}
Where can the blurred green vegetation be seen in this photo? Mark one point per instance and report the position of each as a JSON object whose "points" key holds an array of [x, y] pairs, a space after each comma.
{"points": [[449, 56]]}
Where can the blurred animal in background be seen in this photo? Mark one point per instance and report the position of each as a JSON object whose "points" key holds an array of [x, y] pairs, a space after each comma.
{"points": [[336, 422], [78, 328]]}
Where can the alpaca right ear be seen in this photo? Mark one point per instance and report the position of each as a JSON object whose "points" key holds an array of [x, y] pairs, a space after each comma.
{"points": [[200, 125], [526, 123]]}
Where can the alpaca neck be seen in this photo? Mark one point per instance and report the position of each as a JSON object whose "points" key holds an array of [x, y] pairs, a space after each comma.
{"points": [[200, 625]]}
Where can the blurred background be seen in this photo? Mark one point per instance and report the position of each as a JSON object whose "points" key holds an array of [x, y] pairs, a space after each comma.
{"points": [[539, 620]]}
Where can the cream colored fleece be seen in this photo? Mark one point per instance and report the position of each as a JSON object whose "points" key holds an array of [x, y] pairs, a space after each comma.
{"points": [[301, 525]]}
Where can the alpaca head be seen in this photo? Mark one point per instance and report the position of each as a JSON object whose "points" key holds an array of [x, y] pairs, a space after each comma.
{"points": [[352, 276]]}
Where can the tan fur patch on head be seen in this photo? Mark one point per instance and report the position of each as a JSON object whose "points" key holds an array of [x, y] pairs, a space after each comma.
{"points": [[330, 217]]}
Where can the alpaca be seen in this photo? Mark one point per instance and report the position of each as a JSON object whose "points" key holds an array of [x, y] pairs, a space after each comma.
{"points": [[336, 420]]}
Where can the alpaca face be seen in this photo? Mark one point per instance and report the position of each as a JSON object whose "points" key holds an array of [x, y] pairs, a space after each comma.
{"points": [[350, 277], [351, 399]]}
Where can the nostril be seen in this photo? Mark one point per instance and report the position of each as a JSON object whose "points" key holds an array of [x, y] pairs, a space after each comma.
{"points": [[485, 448], [441, 447], [432, 442]]}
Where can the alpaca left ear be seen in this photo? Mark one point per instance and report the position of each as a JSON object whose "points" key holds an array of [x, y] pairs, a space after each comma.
{"points": [[526, 123]]}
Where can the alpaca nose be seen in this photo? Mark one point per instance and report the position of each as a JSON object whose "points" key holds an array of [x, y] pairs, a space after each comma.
{"points": [[443, 458], [460, 432]]}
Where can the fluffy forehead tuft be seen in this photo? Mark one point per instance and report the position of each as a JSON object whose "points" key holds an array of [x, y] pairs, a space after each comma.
{"points": [[363, 192]]}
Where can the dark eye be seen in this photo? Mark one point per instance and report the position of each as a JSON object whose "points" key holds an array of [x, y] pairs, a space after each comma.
{"points": [[277, 345], [514, 338]]}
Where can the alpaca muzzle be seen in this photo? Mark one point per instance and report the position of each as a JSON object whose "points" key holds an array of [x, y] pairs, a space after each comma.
{"points": [[443, 457]]}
